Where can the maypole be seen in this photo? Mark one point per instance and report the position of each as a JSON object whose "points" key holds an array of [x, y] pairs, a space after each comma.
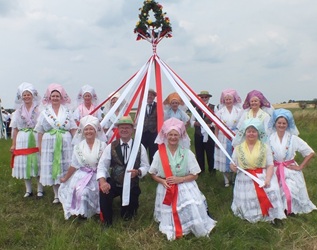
{"points": [[153, 31]]}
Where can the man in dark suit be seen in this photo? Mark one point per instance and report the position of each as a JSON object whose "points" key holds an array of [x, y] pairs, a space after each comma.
{"points": [[203, 142], [111, 172], [150, 125]]}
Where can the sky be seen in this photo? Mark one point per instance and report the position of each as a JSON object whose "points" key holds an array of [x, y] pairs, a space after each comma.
{"points": [[268, 45]]}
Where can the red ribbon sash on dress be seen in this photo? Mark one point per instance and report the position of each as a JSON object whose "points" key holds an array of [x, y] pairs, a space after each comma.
{"points": [[171, 195], [264, 201], [281, 180], [172, 192], [23, 151]]}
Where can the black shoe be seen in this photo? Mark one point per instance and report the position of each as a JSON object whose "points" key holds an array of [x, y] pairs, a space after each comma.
{"points": [[127, 217], [81, 217], [277, 223], [106, 226], [212, 171]]}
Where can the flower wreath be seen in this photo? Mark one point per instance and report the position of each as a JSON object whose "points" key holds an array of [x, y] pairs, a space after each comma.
{"points": [[146, 28]]}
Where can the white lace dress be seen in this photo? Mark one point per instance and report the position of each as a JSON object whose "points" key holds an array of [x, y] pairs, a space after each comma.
{"points": [[230, 120], [285, 151], [191, 203], [50, 126], [79, 195], [25, 125], [246, 203]]}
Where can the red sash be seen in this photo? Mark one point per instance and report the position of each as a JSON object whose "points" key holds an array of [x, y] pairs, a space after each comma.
{"points": [[171, 193], [264, 201], [23, 151]]}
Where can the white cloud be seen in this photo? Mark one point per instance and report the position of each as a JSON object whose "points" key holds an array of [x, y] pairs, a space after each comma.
{"points": [[216, 44]]}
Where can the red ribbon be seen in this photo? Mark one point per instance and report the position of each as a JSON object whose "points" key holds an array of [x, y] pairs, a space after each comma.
{"points": [[264, 201], [217, 121], [23, 151], [172, 192], [281, 180]]}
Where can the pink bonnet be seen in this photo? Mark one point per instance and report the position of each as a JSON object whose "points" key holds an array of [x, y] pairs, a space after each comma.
{"points": [[230, 92], [55, 86]]}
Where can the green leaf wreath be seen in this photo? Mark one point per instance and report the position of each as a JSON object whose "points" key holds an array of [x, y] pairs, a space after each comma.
{"points": [[146, 28]]}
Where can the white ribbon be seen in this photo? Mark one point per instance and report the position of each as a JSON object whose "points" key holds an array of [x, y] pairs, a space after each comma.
{"points": [[133, 83], [137, 141], [176, 82]]}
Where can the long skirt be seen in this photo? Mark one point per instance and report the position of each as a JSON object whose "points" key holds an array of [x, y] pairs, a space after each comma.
{"points": [[84, 202], [222, 163], [19, 170], [296, 184], [47, 156], [191, 208], [246, 203]]}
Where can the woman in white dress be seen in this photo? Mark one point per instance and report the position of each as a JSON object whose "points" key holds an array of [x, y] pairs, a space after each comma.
{"points": [[284, 142], [55, 128], [256, 106], [25, 157], [87, 101], [251, 153], [229, 113], [174, 107], [79, 190], [180, 207]]}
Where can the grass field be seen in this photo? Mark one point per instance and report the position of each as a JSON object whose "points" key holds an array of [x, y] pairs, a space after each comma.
{"points": [[38, 224]]}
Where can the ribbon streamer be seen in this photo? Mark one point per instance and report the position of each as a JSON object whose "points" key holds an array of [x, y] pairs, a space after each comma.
{"points": [[281, 179]]}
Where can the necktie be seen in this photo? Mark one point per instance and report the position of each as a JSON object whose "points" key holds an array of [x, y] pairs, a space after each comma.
{"points": [[125, 152], [150, 108]]}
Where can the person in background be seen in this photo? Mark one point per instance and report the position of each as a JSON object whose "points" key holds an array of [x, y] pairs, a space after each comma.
{"points": [[256, 106], [229, 113], [203, 142], [24, 140], [251, 153], [284, 142], [191, 206], [109, 104], [55, 128], [150, 125], [87, 101], [79, 189], [111, 171], [6, 119], [174, 107]]}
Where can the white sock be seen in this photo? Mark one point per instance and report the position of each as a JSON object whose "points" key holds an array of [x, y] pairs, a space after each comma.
{"points": [[39, 185], [226, 178], [55, 189], [28, 185]]}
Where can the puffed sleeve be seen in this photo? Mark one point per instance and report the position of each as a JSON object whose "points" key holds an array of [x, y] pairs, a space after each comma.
{"points": [[301, 146]]}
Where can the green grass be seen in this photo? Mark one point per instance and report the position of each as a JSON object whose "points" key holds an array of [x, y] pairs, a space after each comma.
{"points": [[38, 224]]}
